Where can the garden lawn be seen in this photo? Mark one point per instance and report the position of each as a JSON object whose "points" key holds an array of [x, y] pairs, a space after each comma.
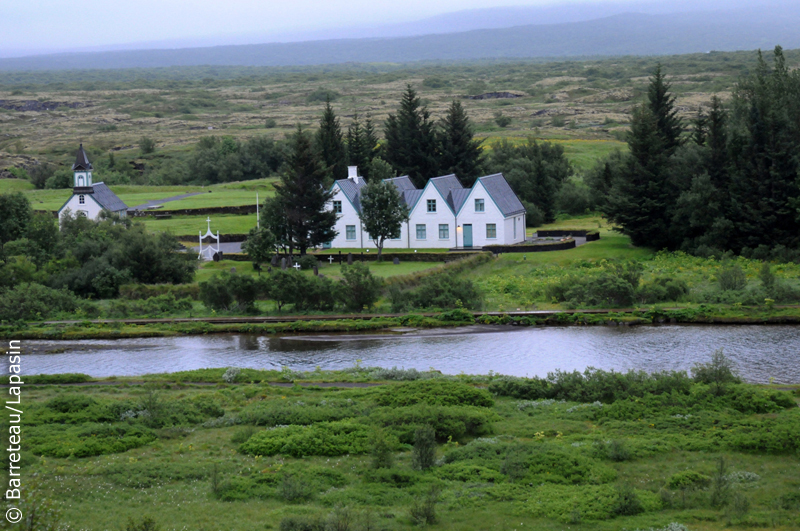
{"points": [[190, 225]]}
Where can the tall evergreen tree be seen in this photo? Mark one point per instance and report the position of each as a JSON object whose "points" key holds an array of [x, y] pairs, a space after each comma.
{"points": [[764, 143], [329, 142], [639, 197], [460, 152], [662, 107], [361, 144], [411, 144], [303, 196]]}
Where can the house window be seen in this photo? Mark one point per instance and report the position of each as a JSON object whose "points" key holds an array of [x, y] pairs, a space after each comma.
{"points": [[431, 205], [351, 232], [491, 230], [337, 207], [444, 231], [479, 205], [421, 232], [82, 199]]}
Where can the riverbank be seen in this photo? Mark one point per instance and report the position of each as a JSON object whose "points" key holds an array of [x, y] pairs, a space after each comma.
{"points": [[292, 324], [596, 450]]}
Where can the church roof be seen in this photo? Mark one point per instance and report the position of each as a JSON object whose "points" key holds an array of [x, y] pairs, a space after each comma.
{"points": [[81, 160], [107, 199]]}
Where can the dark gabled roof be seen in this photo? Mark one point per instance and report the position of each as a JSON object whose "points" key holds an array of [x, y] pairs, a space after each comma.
{"points": [[107, 199], [457, 198], [352, 190], [445, 183], [402, 183], [411, 197], [502, 194], [81, 160]]}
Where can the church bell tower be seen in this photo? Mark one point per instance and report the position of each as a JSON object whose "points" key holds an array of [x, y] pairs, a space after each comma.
{"points": [[82, 169]]}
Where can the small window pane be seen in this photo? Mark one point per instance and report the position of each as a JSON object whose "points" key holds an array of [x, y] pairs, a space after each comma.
{"points": [[444, 232], [491, 230], [421, 232], [81, 199], [337, 207], [351, 232], [431, 205], [479, 205]]}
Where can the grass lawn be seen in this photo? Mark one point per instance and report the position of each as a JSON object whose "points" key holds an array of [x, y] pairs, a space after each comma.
{"points": [[228, 194], [183, 225], [582, 153]]}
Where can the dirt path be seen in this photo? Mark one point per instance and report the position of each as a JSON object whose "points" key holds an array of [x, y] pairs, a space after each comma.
{"points": [[156, 202]]}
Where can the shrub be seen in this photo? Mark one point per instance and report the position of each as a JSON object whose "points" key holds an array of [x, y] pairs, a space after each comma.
{"points": [[444, 290], [301, 413], [302, 523], [145, 524], [469, 473], [719, 372], [34, 301], [731, 278], [618, 451], [627, 503], [322, 94], [720, 485], [423, 510], [688, 480], [361, 288], [227, 291], [434, 392], [424, 452], [307, 262], [447, 421], [382, 450], [231, 374], [324, 438], [147, 145]]}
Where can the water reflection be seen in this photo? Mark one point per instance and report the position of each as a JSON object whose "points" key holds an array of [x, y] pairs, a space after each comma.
{"points": [[760, 352]]}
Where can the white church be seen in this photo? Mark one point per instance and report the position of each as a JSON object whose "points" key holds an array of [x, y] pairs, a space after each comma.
{"points": [[443, 214], [89, 199]]}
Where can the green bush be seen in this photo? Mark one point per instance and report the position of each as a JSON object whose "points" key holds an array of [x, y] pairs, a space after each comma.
{"points": [[322, 94], [325, 438], [593, 502], [230, 291], [688, 480], [300, 413], [158, 305], [468, 473], [445, 290], [732, 278], [423, 455], [459, 315], [361, 289], [31, 301], [87, 440], [64, 378], [434, 392], [447, 421]]}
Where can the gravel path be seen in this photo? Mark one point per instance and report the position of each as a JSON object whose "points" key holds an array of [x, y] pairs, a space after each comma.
{"points": [[156, 202]]}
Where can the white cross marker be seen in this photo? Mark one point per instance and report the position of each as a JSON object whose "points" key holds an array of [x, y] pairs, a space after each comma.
{"points": [[296, 266], [330, 260]]}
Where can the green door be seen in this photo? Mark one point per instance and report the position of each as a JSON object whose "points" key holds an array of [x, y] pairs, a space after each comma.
{"points": [[467, 235]]}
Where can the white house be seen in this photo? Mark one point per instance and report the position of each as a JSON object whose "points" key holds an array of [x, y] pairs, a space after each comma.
{"points": [[89, 199], [443, 214]]}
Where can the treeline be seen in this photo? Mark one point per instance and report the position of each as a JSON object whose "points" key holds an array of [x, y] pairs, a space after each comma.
{"points": [[733, 185], [43, 268]]}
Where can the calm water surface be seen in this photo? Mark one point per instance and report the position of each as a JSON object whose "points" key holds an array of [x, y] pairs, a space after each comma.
{"points": [[760, 352]]}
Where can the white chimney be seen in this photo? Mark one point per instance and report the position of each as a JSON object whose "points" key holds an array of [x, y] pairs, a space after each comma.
{"points": [[352, 173]]}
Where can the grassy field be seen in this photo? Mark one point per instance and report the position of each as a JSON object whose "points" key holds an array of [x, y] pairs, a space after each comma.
{"points": [[188, 225], [228, 194], [240, 456], [382, 269]]}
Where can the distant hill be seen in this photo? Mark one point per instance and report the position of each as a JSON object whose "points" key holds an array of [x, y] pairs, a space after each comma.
{"points": [[624, 34]]}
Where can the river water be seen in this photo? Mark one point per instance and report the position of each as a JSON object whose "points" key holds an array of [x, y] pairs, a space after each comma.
{"points": [[759, 352]]}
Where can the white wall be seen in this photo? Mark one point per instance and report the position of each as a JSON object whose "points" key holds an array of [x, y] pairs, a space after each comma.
{"points": [[90, 207], [349, 216], [443, 215], [491, 214]]}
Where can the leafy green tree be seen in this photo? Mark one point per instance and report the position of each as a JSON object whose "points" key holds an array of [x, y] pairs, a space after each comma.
{"points": [[15, 215], [380, 170], [259, 246], [329, 142], [461, 154], [303, 197], [40, 173], [147, 145], [273, 219], [382, 212], [411, 143]]}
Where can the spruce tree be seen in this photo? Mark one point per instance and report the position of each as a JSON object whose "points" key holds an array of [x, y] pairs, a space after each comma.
{"points": [[360, 151], [639, 197], [329, 142], [411, 144], [765, 140], [662, 107], [303, 196], [461, 154]]}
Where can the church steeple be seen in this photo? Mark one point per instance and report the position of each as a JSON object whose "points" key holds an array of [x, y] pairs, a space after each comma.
{"points": [[82, 169]]}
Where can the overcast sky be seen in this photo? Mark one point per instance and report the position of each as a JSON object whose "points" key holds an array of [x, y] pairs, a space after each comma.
{"points": [[59, 25]]}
